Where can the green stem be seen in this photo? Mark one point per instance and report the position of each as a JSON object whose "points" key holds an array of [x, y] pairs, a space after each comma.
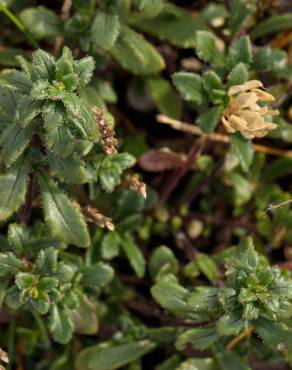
{"points": [[18, 24]]}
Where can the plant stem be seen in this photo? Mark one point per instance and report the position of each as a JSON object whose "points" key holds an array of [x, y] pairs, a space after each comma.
{"points": [[240, 337], [191, 129], [18, 24]]}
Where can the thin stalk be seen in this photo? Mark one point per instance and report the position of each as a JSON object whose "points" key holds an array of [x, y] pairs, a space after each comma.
{"points": [[18, 24]]}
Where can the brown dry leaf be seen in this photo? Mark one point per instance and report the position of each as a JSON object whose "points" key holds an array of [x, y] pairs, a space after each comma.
{"points": [[160, 160]]}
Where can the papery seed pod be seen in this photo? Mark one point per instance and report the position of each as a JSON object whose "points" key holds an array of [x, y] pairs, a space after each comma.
{"points": [[92, 215]]}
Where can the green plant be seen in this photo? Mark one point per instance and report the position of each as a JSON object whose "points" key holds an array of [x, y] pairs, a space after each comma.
{"points": [[100, 271]]}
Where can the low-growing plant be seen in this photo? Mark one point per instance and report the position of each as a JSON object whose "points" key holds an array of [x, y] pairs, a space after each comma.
{"points": [[99, 271]]}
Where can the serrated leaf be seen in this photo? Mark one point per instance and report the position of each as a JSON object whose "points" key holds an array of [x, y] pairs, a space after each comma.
{"points": [[164, 97], [243, 149], [69, 169], [207, 266], [204, 299], [208, 120], [13, 185], [228, 360], [59, 140], [207, 50], [53, 114], [9, 264], [238, 75], [231, 324], [27, 110], [134, 255], [16, 80], [240, 52], [81, 117], [108, 358], [97, 276], [276, 23], [105, 29], [61, 325], [171, 295], [199, 338], [41, 22], [17, 237], [65, 220], [190, 86], [43, 65], [14, 139], [84, 69], [136, 54]]}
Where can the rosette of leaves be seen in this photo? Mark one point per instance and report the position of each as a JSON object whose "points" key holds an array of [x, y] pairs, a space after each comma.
{"points": [[207, 93], [257, 298], [50, 282], [47, 130]]}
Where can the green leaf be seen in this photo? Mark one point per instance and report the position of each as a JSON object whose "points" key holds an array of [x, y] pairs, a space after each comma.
{"points": [[110, 245], [231, 324], [53, 114], [204, 299], [207, 50], [64, 219], [41, 22], [164, 97], [228, 360], [162, 260], [105, 29], [61, 325], [197, 364], [13, 184], [190, 86], [108, 358], [136, 54], [239, 12], [171, 295], [59, 140], [240, 52], [27, 110], [199, 338], [14, 139], [173, 24], [209, 120], [69, 169], [243, 189], [134, 255], [214, 87], [8, 56], [84, 69], [276, 23], [238, 75], [97, 276], [84, 317], [151, 8], [43, 65], [17, 237], [207, 266], [274, 334], [243, 149], [9, 264], [16, 81], [81, 117]]}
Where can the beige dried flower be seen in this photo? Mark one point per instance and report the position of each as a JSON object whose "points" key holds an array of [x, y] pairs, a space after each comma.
{"points": [[92, 215], [3, 358], [243, 112], [108, 141], [133, 182]]}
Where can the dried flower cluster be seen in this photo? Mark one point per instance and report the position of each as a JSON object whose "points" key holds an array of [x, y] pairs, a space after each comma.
{"points": [[133, 182], [245, 114], [3, 358], [108, 140], [92, 215]]}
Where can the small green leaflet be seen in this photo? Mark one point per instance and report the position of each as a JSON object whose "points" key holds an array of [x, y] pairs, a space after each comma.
{"points": [[243, 149]]}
